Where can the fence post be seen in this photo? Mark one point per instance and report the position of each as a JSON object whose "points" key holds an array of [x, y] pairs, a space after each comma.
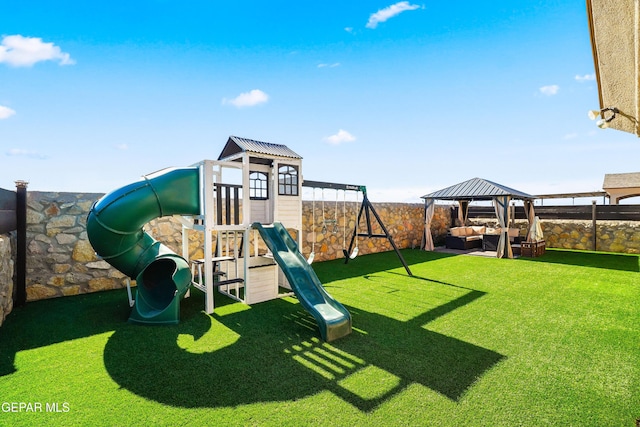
{"points": [[21, 243], [593, 225]]}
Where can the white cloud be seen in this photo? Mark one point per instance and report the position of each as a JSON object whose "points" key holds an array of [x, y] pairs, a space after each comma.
{"points": [[122, 147], [341, 137], [585, 78], [389, 12], [570, 136], [26, 153], [19, 51], [248, 99], [6, 112], [549, 90], [335, 64], [349, 29]]}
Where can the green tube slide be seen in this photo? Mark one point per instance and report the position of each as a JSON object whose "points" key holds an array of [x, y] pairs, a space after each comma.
{"points": [[114, 228]]}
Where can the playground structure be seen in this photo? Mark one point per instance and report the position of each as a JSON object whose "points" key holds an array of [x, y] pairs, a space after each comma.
{"points": [[245, 202]]}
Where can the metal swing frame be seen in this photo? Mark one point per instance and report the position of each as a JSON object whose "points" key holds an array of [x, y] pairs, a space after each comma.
{"points": [[367, 208]]}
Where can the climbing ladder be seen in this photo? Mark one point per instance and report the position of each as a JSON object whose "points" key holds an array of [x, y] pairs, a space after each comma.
{"points": [[220, 216], [223, 276]]}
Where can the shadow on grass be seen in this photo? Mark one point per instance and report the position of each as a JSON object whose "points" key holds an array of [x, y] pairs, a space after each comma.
{"points": [[264, 353], [373, 263], [47, 322], [277, 357], [610, 261]]}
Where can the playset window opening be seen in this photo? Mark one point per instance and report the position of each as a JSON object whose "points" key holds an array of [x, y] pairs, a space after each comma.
{"points": [[288, 180], [258, 186]]}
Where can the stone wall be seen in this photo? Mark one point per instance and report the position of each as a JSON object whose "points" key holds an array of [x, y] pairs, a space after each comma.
{"points": [[402, 221], [60, 260], [6, 276], [611, 236]]}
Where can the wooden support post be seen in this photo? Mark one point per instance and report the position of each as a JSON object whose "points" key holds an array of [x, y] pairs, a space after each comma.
{"points": [[227, 205], [219, 198], [236, 205]]}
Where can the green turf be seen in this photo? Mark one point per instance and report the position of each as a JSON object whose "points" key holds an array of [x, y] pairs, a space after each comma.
{"points": [[466, 341]]}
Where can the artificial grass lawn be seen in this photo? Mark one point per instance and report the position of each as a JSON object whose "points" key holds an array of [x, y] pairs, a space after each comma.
{"points": [[466, 341]]}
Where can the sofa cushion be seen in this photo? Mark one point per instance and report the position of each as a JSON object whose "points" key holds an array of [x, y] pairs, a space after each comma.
{"points": [[461, 231], [456, 231], [478, 230]]}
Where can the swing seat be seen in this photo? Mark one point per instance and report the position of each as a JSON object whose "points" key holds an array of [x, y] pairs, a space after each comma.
{"points": [[354, 253]]}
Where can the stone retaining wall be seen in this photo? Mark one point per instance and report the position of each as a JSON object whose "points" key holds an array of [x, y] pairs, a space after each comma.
{"points": [[611, 236], [6, 277], [402, 221], [60, 260]]}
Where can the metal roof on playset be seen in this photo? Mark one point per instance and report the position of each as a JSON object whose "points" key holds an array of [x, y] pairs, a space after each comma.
{"points": [[236, 144]]}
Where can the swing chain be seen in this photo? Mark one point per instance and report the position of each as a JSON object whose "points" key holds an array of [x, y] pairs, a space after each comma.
{"points": [[324, 221], [335, 216]]}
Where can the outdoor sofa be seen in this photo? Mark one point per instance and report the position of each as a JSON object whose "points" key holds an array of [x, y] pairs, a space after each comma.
{"points": [[471, 237], [465, 237]]}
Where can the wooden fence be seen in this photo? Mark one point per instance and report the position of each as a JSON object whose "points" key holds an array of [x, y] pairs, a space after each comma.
{"points": [[578, 212]]}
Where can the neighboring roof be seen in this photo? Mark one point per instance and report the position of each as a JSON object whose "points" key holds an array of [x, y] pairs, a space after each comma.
{"points": [[571, 195], [621, 180], [613, 28], [236, 144], [476, 189]]}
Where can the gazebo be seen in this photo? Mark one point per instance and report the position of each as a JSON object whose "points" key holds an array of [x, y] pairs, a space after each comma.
{"points": [[478, 189]]}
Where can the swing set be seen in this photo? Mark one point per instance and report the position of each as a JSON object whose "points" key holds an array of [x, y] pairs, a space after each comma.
{"points": [[331, 225]]}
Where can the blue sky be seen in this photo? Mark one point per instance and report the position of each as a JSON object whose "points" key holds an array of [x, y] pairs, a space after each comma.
{"points": [[403, 97]]}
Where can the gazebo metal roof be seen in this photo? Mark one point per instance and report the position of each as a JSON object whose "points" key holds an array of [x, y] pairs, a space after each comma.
{"points": [[476, 189]]}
